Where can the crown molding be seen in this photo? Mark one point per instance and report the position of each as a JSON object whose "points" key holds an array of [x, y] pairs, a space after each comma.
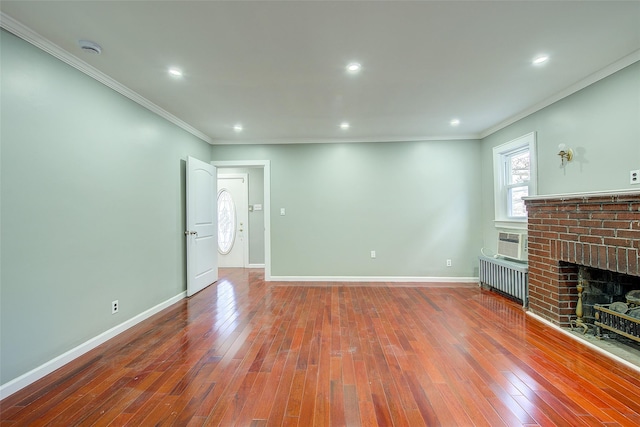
{"points": [[342, 140], [587, 81], [30, 36]]}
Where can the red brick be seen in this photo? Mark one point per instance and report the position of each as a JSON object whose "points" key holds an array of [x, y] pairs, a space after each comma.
{"points": [[629, 234], [590, 223], [568, 207], [550, 235], [604, 215], [633, 216], [632, 259], [618, 224], [579, 230], [609, 232], [591, 239], [558, 229], [622, 260], [612, 261], [579, 256], [602, 257], [615, 207], [614, 241], [586, 254], [589, 207], [558, 216], [580, 215]]}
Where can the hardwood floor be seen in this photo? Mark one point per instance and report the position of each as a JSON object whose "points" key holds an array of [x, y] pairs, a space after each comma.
{"points": [[248, 353]]}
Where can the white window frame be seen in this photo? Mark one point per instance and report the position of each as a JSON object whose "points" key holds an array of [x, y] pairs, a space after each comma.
{"points": [[500, 153]]}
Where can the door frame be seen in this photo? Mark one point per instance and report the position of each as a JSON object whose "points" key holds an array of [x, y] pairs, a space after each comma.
{"points": [[245, 176], [266, 167]]}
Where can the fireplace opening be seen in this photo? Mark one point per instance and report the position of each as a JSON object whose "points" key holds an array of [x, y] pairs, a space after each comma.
{"points": [[608, 303], [604, 287]]}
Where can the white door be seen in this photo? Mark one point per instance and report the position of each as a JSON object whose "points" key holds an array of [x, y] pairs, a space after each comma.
{"points": [[233, 216], [201, 233]]}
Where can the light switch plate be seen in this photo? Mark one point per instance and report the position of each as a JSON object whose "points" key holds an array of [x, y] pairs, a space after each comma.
{"points": [[634, 176]]}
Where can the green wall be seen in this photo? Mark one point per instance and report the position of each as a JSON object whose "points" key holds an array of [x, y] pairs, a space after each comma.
{"points": [[414, 203], [92, 191], [601, 123]]}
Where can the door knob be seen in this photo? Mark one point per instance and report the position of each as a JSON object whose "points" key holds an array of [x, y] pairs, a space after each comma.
{"points": [[188, 233]]}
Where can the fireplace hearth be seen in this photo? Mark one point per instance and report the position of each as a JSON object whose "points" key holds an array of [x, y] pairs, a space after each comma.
{"points": [[566, 232]]}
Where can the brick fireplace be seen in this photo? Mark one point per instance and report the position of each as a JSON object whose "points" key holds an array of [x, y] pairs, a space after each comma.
{"points": [[598, 230]]}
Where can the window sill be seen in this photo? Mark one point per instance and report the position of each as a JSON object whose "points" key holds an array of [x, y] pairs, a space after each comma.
{"points": [[511, 224]]}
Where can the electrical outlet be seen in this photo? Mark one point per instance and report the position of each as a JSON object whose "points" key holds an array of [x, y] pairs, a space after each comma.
{"points": [[373, 254], [634, 176], [114, 306], [448, 263]]}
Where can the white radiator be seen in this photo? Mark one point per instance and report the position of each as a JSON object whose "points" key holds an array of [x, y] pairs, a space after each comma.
{"points": [[508, 277]]}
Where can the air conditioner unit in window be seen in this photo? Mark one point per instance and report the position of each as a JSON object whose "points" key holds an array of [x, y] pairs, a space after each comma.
{"points": [[513, 245]]}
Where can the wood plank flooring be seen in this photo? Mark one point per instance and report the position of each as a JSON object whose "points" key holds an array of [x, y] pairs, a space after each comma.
{"points": [[248, 353]]}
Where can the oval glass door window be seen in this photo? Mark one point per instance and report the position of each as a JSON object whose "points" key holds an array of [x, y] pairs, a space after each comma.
{"points": [[226, 222]]}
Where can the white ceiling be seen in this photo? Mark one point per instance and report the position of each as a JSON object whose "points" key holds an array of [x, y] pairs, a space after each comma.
{"points": [[278, 67]]}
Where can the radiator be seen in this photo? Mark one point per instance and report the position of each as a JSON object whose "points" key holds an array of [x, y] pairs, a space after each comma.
{"points": [[507, 277]]}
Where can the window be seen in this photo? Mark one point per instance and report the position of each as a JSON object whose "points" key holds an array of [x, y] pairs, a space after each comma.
{"points": [[514, 178], [226, 222]]}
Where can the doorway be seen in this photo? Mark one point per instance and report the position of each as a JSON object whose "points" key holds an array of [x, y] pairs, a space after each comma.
{"points": [[264, 240], [233, 220]]}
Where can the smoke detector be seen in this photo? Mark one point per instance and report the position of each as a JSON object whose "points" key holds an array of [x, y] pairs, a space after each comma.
{"points": [[90, 47]]}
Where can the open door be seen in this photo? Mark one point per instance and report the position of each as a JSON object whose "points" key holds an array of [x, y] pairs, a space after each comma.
{"points": [[201, 233]]}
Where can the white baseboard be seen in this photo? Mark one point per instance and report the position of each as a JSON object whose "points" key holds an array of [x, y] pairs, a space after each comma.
{"points": [[256, 266], [585, 342], [392, 279], [46, 368]]}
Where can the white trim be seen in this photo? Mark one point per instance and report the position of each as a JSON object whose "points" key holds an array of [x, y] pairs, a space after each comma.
{"points": [[528, 141], [28, 35], [584, 195], [46, 368], [587, 81], [256, 266], [394, 279], [266, 165], [305, 140], [585, 342], [510, 225]]}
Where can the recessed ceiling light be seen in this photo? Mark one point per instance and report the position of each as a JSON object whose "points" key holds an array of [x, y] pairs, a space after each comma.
{"points": [[540, 59], [454, 122], [175, 72], [345, 125], [237, 127], [354, 67]]}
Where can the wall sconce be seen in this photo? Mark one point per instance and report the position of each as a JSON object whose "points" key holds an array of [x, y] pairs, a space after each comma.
{"points": [[565, 153]]}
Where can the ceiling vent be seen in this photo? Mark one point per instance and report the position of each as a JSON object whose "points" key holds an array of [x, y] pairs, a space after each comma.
{"points": [[90, 47]]}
